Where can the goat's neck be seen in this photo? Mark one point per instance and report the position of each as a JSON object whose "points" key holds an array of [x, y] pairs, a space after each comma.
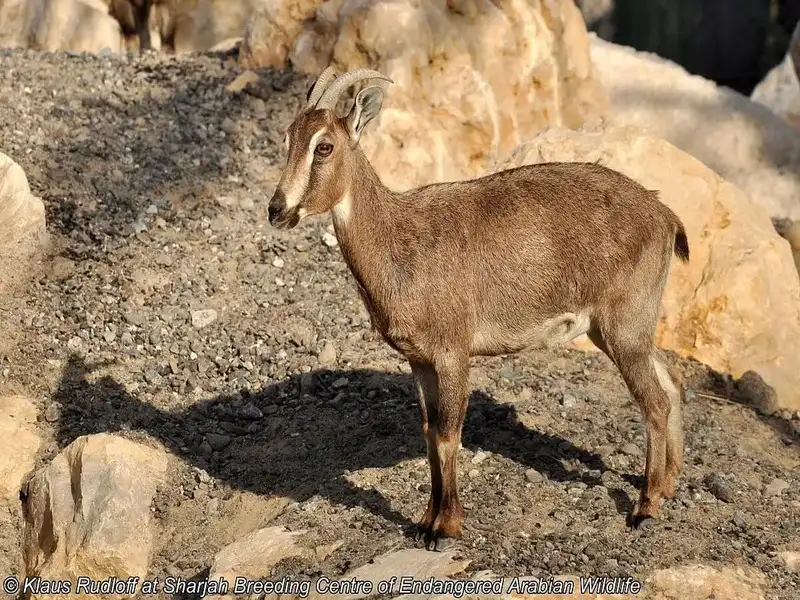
{"points": [[363, 224]]}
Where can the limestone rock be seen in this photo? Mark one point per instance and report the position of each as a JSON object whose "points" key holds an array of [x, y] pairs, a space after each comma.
{"points": [[50, 25], [271, 33], [241, 81], [88, 511], [699, 582], [790, 560], [736, 305], [200, 25], [472, 81], [742, 141], [19, 443], [21, 213], [415, 563], [255, 554]]}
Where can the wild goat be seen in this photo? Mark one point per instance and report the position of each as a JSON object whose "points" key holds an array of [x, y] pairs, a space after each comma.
{"points": [[528, 257]]}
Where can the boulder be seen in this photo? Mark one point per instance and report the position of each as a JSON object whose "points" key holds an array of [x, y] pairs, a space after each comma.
{"points": [[19, 444], [741, 140], [255, 554], [200, 25], [50, 25], [88, 511], [699, 582], [271, 32], [472, 79], [22, 239], [736, 305], [21, 213]]}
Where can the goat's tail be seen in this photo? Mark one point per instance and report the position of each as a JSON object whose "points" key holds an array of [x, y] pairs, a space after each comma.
{"points": [[681, 246]]}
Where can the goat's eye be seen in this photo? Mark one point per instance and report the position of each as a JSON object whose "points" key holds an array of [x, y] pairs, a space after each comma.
{"points": [[323, 149]]}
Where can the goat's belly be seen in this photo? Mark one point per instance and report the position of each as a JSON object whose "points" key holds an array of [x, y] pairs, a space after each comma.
{"points": [[492, 339]]}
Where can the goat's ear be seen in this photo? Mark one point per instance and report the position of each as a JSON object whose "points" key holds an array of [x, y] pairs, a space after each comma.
{"points": [[365, 108]]}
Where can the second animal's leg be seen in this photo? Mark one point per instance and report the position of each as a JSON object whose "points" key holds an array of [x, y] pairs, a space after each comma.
{"points": [[142, 18], [428, 395], [453, 378]]}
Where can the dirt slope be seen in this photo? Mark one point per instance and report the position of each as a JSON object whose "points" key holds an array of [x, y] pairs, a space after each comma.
{"points": [[156, 182]]}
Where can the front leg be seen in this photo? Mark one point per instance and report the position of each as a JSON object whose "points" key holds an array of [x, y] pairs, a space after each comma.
{"points": [[453, 376], [428, 395]]}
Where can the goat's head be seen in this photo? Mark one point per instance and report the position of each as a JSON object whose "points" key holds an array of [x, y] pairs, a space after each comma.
{"points": [[321, 146]]}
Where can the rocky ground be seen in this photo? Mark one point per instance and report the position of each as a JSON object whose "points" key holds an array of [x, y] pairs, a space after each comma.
{"points": [[169, 310]]}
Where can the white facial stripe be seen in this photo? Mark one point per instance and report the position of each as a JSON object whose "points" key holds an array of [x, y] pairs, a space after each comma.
{"points": [[302, 175]]}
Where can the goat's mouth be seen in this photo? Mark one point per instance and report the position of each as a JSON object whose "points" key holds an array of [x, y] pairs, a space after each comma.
{"points": [[285, 220]]}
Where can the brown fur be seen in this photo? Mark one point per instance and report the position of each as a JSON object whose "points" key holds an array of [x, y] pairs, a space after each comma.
{"points": [[526, 257]]}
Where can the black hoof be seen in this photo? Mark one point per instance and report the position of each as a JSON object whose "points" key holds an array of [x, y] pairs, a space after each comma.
{"points": [[419, 532], [442, 544], [641, 522], [439, 543]]}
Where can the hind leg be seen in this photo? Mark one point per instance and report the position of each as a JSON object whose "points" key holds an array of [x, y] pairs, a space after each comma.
{"points": [[673, 387], [636, 359]]}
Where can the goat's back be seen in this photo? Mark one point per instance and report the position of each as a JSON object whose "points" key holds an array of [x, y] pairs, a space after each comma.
{"points": [[546, 238]]}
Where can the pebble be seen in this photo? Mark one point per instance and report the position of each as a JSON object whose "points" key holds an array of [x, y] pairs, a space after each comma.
{"points": [[327, 355], [329, 240], [775, 487], [203, 318], [533, 476], [151, 376], [719, 487], [278, 262], [217, 441], [631, 449], [479, 457], [52, 413], [341, 382], [228, 126], [525, 393], [740, 520], [251, 411], [569, 401]]}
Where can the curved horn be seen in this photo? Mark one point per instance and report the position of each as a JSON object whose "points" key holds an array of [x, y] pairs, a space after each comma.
{"points": [[319, 86], [331, 96]]}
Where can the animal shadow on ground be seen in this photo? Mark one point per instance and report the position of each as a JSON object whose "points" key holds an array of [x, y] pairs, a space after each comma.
{"points": [[307, 443]]}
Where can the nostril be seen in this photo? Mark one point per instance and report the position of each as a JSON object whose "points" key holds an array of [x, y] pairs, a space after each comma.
{"points": [[276, 204]]}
